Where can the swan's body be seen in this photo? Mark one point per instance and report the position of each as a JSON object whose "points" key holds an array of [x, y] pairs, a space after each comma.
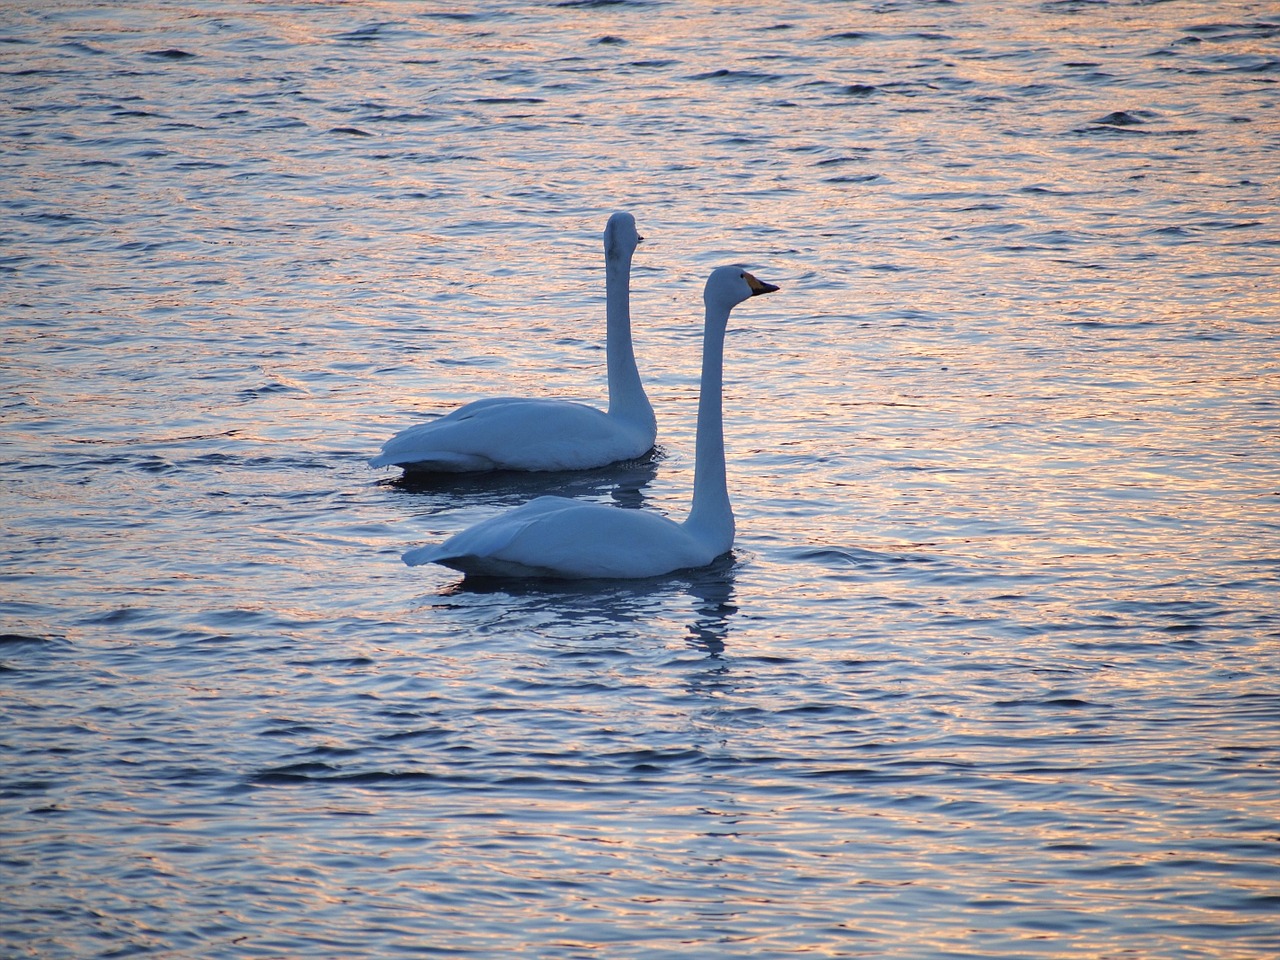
{"points": [[558, 537], [518, 433]]}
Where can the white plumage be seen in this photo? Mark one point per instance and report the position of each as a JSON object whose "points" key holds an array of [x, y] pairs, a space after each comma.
{"points": [[558, 537]]}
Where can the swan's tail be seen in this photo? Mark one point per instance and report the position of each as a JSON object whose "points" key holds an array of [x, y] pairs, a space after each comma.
{"points": [[418, 556], [437, 461]]}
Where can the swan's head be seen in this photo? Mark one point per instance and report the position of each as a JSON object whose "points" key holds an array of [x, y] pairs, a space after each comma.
{"points": [[620, 236], [729, 286]]}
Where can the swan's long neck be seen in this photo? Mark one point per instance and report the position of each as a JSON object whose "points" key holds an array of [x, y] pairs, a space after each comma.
{"points": [[711, 518], [627, 399]]}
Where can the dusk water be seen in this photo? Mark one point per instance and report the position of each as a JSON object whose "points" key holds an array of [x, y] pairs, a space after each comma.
{"points": [[994, 667]]}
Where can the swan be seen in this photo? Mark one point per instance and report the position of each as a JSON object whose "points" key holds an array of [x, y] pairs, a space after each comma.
{"points": [[568, 539], [519, 433]]}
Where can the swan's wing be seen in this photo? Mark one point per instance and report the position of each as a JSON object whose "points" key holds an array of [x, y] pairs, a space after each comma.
{"points": [[488, 537], [434, 445], [511, 433]]}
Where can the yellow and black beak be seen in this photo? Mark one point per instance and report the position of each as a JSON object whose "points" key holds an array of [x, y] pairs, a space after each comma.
{"points": [[758, 286]]}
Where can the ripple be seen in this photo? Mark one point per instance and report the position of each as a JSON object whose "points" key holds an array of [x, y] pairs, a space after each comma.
{"points": [[736, 76], [170, 54], [1002, 593]]}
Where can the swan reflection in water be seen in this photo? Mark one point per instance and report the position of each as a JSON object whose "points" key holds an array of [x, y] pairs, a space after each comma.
{"points": [[623, 483], [616, 611], [712, 587]]}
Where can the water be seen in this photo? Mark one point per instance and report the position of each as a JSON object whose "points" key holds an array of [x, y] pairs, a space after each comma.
{"points": [[992, 670]]}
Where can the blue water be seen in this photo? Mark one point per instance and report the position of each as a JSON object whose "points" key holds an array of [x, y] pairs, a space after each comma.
{"points": [[992, 670]]}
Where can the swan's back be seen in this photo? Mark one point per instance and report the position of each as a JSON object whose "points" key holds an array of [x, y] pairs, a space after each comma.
{"points": [[515, 433]]}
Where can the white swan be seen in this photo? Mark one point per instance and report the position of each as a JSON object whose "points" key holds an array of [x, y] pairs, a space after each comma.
{"points": [[558, 537], [518, 433]]}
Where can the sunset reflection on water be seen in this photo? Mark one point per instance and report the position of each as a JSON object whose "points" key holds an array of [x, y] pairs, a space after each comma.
{"points": [[991, 669]]}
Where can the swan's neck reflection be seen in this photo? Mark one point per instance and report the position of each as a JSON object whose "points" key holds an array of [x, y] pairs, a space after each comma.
{"points": [[710, 627]]}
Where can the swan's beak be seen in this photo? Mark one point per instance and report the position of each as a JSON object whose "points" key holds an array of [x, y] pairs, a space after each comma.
{"points": [[758, 286]]}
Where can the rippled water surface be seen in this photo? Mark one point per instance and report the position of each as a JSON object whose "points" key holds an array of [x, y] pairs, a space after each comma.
{"points": [[992, 670]]}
